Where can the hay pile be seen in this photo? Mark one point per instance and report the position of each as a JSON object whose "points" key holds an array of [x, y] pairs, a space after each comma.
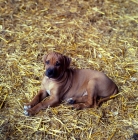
{"points": [[96, 34]]}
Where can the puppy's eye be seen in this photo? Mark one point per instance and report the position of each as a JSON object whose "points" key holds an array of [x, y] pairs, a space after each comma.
{"points": [[47, 62], [57, 63]]}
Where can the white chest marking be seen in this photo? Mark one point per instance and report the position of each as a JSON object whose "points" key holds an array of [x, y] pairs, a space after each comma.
{"points": [[48, 91], [85, 93]]}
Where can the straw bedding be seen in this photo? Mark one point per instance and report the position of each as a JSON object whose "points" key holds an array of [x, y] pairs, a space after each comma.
{"points": [[96, 34]]}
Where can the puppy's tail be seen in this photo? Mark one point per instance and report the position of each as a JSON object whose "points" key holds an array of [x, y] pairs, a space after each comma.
{"points": [[109, 97]]}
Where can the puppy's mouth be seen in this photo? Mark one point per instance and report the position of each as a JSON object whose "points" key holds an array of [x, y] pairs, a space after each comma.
{"points": [[51, 73]]}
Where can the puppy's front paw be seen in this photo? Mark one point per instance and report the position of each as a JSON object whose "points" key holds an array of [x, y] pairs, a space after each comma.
{"points": [[26, 113], [26, 107], [29, 112], [26, 110], [70, 101]]}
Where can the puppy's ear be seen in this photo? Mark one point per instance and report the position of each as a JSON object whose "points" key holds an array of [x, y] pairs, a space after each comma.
{"points": [[67, 61]]}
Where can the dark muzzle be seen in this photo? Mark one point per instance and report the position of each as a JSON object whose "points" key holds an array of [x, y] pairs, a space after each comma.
{"points": [[51, 73]]}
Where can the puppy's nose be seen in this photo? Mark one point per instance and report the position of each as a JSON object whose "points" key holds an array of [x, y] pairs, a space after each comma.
{"points": [[50, 72]]}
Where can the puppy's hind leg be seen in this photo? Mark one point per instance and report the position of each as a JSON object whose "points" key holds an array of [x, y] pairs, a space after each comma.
{"points": [[75, 100], [89, 99]]}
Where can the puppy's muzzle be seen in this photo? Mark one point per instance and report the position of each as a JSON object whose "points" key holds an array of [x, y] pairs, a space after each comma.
{"points": [[50, 72]]}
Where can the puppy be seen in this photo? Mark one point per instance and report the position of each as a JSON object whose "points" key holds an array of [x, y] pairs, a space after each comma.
{"points": [[79, 87]]}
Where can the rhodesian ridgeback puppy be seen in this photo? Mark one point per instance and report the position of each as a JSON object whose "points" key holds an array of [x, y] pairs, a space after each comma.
{"points": [[79, 87]]}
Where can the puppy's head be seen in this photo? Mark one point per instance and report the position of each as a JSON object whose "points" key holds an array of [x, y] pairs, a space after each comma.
{"points": [[55, 64]]}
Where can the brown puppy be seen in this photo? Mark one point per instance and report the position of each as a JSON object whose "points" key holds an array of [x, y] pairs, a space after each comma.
{"points": [[81, 88]]}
